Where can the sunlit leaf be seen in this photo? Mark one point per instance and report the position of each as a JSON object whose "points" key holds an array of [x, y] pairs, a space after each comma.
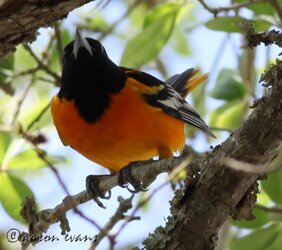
{"points": [[55, 63], [26, 160], [13, 192], [180, 42], [160, 11], [261, 218], [147, 44], [23, 60], [258, 8], [31, 113], [29, 159], [260, 239], [229, 86], [199, 98], [97, 23], [4, 144], [231, 24], [217, 112], [273, 186], [232, 117], [137, 15], [6, 66]]}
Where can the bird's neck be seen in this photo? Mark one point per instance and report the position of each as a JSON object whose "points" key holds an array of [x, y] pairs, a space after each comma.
{"points": [[91, 90]]}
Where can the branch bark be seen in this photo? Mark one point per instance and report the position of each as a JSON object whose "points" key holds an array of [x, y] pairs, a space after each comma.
{"points": [[19, 19], [220, 188]]}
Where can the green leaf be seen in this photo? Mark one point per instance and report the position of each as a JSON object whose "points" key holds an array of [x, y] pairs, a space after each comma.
{"points": [[29, 159], [261, 218], [217, 112], [8, 61], [273, 185], [55, 64], [26, 160], [146, 45], [13, 192], [98, 23], [6, 66], [180, 42], [229, 86], [159, 11], [23, 60], [199, 98], [231, 24], [261, 239], [4, 144], [258, 8], [232, 117], [262, 9], [32, 112], [261, 25], [277, 243]]}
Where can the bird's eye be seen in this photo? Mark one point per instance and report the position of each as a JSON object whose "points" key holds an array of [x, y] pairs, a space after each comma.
{"points": [[101, 48]]}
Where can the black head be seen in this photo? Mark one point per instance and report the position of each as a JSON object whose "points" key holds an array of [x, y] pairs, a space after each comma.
{"points": [[89, 77]]}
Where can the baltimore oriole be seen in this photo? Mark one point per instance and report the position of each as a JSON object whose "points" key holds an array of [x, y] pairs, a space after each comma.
{"points": [[115, 115]]}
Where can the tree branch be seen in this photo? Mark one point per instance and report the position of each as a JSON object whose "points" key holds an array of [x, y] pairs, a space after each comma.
{"points": [[19, 20], [234, 7], [221, 189], [40, 221]]}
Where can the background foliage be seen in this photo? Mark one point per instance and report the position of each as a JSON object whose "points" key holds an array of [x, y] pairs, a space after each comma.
{"points": [[155, 36]]}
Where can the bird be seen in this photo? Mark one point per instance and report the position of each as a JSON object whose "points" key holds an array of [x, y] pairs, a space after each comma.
{"points": [[114, 115]]}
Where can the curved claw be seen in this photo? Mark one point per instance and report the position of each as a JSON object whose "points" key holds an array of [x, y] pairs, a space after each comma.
{"points": [[92, 186], [137, 190], [107, 197], [125, 177]]}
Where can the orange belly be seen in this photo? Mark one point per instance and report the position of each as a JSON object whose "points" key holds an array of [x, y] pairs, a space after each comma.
{"points": [[130, 130]]}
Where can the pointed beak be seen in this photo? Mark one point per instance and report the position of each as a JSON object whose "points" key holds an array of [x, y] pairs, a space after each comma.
{"points": [[80, 42]]}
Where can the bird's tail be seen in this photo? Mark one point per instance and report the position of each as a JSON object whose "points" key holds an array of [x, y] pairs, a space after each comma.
{"points": [[185, 82]]}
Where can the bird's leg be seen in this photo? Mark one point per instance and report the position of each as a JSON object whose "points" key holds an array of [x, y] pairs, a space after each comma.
{"points": [[92, 186], [125, 177]]}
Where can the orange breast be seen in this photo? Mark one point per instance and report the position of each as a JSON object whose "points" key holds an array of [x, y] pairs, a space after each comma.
{"points": [[130, 130]]}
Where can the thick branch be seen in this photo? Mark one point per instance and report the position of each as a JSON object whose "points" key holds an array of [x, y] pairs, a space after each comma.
{"points": [[220, 188], [20, 19]]}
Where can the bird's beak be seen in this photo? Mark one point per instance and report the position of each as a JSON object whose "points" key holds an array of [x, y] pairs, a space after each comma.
{"points": [[80, 42]]}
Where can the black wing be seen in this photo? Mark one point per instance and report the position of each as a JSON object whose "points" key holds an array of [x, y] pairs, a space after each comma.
{"points": [[168, 99]]}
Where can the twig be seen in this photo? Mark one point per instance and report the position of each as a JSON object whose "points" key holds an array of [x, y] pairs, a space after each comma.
{"points": [[21, 100], [245, 166], [117, 22], [7, 88], [43, 156], [172, 176], [42, 65], [255, 39], [278, 8], [234, 7], [219, 53], [222, 129], [269, 209], [91, 221], [37, 118], [59, 41], [124, 206], [161, 67], [145, 172]]}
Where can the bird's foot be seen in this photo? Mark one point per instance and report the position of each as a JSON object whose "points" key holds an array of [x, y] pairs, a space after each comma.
{"points": [[92, 186], [125, 177]]}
